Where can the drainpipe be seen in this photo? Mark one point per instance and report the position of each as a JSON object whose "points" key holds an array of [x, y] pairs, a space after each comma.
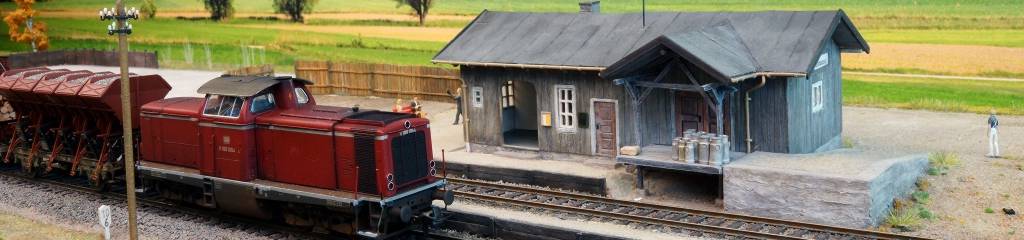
{"points": [[747, 111]]}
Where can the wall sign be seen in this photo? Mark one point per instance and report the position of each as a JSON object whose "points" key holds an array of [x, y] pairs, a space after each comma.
{"points": [[822, 61]]}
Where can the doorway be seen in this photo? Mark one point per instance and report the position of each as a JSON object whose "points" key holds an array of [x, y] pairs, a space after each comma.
{"points": [[519, 114], [605, 134], [694, 113]]}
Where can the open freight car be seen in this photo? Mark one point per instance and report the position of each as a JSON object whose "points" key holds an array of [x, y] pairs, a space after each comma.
{"points": [[254, 146]]}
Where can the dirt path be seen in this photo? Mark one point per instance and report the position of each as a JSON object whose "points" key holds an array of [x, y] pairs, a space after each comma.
{"points": [[935, 76], [954, 59], [958, 199], [405, 33]]}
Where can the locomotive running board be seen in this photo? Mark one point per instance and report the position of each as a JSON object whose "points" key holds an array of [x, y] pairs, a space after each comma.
{"points": [[273, 190]]}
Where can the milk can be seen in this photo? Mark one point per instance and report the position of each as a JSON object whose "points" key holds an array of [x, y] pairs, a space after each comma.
{"points": [[715, 151], [702, 151], [690, 154], [676, 148], [726, 148]]}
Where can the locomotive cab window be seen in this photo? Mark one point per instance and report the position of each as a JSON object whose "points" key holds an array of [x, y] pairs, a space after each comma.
{"points": [[300, 96], [223, 106], [262, 103]]}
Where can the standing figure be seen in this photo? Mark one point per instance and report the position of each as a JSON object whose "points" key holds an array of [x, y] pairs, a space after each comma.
{"points": [[993, 135], [415, 106], [458, 103]]}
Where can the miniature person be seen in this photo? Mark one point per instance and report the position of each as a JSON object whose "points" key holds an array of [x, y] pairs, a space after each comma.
{"points": [[993, 135], [398, 106], [415, 105], [458, 104]]}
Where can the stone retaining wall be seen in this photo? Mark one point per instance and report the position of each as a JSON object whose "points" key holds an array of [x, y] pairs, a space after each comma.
{"points": [[858, 201]]}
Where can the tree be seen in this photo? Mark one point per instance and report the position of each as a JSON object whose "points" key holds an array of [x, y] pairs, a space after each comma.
{"points": [[25, 16], [219, 9], [148, 9], [294, 8], [419, 7]]}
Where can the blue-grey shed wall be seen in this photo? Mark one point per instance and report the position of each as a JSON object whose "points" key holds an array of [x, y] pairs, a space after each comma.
{"points": [[811, 131]]}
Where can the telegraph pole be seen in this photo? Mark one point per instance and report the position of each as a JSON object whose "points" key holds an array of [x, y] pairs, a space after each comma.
{"points": [[122, 28]]}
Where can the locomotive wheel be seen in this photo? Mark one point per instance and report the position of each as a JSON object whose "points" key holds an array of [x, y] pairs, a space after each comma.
{"points": [[99, 185]]}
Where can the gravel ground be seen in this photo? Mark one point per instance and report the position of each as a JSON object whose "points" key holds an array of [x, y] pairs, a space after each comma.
{"points": [[61, 207], [959, 198]]}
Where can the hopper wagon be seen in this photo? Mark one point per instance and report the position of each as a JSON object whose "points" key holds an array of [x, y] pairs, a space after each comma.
{"points": [[255, 146]]}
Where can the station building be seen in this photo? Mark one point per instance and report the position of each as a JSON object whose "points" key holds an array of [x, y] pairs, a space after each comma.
{"points": [[589, 83]]}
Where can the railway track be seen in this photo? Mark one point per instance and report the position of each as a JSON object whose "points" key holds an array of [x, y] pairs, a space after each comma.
{"points": [[696, 223], [63, 186]]}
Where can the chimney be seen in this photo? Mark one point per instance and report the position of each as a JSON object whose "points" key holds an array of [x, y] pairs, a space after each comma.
{"points": [[590, 6]]}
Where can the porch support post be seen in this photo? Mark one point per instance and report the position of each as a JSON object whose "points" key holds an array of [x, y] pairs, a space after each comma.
{"points": [[635, 101]]}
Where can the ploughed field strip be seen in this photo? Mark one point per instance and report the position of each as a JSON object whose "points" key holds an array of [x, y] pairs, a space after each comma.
{"points": [[62, 185], [691, 222]]}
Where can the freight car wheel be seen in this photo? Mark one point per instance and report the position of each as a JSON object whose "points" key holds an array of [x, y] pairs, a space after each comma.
{"points": [[100, 185]]}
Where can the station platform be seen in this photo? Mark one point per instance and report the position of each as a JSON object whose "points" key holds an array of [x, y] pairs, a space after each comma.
{"points": [[511, 168], [845, 187]]}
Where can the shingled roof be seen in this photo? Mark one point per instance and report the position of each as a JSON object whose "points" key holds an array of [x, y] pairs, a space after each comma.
{"points": [[775, 41]]}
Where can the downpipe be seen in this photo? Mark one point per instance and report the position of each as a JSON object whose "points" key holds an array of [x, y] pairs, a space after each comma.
{"points": [[759, 85]]}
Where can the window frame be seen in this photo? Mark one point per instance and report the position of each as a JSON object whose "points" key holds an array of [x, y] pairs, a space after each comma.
{"points": [[817, 96], [566, 108], [476, 95], [241, 106], [508, 99], [304, 94], [270, 98]]}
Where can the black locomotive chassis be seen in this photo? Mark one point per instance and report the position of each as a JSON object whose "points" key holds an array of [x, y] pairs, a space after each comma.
{"points": [[365, 215]]}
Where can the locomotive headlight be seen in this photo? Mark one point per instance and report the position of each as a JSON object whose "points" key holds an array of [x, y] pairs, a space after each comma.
{"points": [[433, 167], [391, 182]]}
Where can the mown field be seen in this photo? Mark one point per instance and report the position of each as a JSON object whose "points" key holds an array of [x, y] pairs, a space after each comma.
{"points": [[944, 37]]}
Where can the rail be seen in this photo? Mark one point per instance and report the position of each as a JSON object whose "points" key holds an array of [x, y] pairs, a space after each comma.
{"points": [[729, 224]]}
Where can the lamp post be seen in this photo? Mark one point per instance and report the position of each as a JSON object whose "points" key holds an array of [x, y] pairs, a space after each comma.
{"points": [[120, 26]]}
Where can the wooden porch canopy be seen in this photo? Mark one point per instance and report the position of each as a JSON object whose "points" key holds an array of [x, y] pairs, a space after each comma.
{"points": [[706, 61]]}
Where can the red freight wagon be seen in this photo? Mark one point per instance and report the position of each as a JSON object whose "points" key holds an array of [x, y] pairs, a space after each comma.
{"points": [[256, 144]]}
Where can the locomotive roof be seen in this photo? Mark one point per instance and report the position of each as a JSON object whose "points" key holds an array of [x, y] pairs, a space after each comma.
{"points": [[243, 86]]}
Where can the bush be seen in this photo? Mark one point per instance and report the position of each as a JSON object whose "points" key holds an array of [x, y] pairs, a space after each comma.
{"points": [[923, 184], [905, 218], [934, 171], [989, 210], [924, 213], [148, 9], [944, 160], [921, 197]]}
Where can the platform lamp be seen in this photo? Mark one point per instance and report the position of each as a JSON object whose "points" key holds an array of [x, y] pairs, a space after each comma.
{"points": [[119, 25]]}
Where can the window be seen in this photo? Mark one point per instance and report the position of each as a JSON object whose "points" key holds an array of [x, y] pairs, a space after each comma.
{"points": [[478, 96], [817, 97], [565, 97], [262, 103], [822, 61], [300, 96], [507, 97], [223, 106]]}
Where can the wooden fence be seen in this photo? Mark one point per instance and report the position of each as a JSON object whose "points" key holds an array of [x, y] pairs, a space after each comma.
{"points": [[81, 57], [258, 70], [382, 80]]}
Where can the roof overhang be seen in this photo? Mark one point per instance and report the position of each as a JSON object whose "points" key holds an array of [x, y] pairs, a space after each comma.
{"points": [[517, 65]]}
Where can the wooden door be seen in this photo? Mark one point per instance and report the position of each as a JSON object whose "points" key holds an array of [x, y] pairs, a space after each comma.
{"points": [[606, 134]]}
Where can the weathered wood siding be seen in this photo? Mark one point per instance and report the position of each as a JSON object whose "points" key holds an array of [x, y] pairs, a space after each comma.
{"points": [[768, 117], [657, 117], [486, 122], [809, 130]]}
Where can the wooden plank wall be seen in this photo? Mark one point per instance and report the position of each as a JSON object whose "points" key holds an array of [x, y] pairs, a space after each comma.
{"points": [[809, 130], [382, 80], [81, 57]]}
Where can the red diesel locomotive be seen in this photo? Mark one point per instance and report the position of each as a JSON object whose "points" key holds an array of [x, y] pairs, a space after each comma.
{"points": [[254, 146]]}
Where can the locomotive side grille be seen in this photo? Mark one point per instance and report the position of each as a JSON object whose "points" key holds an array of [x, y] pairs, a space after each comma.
{"points": [[409, 153], [367, 162]]}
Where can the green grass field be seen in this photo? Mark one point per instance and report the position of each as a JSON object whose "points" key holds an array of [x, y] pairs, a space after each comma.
{"points": [[998, 23], [985, 8], [934, 94]]}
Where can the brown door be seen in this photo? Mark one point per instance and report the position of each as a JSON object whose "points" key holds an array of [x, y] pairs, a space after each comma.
{"points": [[605, 128]]}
